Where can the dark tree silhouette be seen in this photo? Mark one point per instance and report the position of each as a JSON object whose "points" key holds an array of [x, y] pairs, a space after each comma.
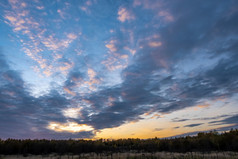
{"points": [[211, 141]]}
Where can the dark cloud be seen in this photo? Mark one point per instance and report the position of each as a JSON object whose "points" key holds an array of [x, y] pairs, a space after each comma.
{"points": [[228, 120], [199, 118], [231, 120], [158, 129], [219, 129], [148, 82], [25, 116], [73, 77], [179, 120], [193, 125]]}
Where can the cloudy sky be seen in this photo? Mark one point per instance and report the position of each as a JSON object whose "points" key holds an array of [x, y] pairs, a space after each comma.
{"points": [[117, 68]]}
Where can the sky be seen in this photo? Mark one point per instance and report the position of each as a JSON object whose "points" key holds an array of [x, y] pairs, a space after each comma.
{"points": [[117, 68]]}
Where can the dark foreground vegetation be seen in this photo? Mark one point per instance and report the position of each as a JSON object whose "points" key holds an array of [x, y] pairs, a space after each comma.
{"points": [[203, 142]]}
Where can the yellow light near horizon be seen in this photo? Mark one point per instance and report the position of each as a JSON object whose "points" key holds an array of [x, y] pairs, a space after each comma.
{"points": [[143, 129], [71, 127]]}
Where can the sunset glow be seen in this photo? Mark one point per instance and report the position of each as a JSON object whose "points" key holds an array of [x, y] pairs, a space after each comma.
{"points": [[71, 127]]}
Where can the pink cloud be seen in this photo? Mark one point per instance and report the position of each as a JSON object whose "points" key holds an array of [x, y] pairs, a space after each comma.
{"points": [[69, 92], [112, 45], [155, 6], [137, 3], [61, 13], [110, 101], [65, 67], [88, 3], [55, 44], [132, 51], [57, 56], [72, 36], [113, 63], [86, 85], [23, 4], [147, 4], [47, 73], [115, 60], [91, 73], [11, 18], [124, 56], [155, 44], [83, 9], [40, 7], [86, 6], [167, 16], [125, 15]]}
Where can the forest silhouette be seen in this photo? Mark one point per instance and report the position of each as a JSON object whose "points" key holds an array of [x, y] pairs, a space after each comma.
{"points": [[202, 142]]}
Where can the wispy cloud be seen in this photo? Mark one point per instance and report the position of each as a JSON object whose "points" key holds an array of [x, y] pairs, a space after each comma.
{"points": [[158, 129], [193, 125]]}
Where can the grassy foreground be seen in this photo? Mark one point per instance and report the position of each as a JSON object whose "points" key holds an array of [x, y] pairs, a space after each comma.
{"points": [[157, 155]]}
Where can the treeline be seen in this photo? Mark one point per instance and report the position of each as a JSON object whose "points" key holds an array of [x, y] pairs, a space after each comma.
{"points": [[203, 142]]}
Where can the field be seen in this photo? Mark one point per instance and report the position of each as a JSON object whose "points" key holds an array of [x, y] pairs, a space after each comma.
{"points": [[158, 155]]}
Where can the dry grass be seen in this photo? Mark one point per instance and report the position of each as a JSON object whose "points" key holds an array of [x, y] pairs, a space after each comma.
{"points": [[158, 155]]}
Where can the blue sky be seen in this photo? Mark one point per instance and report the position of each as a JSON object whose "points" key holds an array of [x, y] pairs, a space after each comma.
{"points": [[111, 69]]}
